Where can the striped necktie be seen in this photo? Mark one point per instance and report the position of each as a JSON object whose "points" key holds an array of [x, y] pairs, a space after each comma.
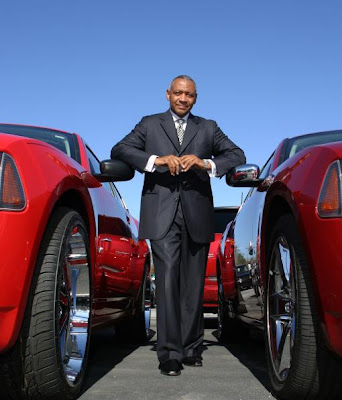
{"points": [[180, 130]]}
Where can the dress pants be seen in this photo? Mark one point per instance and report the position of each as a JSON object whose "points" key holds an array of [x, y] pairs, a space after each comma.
{"points": [[180, 266]]}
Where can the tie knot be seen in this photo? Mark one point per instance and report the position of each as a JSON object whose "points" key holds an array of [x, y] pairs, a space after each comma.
{"points": [[180, 122]]}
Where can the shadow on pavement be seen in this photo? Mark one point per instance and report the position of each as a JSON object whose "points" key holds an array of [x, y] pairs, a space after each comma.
{"points": [[106, 351], [250, 351]]}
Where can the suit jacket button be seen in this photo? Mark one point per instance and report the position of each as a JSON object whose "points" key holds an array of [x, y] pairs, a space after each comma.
{"points": [[176, 198]]}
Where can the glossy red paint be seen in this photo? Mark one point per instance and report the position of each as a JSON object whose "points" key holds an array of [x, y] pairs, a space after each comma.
{"points": [[294, 188], [223, 215], [226, 262], [210, 284], [321, 236], [50, 179], [22, 245]]}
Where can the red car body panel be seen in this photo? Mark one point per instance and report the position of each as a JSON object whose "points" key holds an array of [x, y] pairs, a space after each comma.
{"points": [[226, 261], [50, 178], [295, 186], [223, 215], [210, 283], [322, 237]]}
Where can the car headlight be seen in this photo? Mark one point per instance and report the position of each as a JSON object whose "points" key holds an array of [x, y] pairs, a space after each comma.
{"points": [[12, 196]]}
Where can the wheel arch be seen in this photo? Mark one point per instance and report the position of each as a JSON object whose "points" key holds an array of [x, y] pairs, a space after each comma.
{"points": [[279, 202], [76, 199]]}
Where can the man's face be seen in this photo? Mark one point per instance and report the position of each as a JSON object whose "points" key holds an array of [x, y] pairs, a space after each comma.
{"points": [[182, 96]]}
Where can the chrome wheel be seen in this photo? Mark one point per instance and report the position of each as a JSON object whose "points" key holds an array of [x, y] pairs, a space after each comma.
{"points": [[73, 307], [299, 364], [220, 308], [147, 305], [51, 353], [281, 309]]}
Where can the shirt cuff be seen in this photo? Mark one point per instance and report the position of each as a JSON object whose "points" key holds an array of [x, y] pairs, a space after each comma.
{"points": [[150, 164], [212, 171]]}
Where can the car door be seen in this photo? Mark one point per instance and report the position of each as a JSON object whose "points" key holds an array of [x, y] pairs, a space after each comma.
{"points": [[246, 257], [138, 249], [112, 284]]}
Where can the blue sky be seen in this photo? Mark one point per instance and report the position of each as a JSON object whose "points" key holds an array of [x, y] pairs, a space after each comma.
{"points": [[265, 70]]}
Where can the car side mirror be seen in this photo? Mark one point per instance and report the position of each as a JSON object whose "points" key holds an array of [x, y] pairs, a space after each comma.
{"points": [[245, 175], [114, 171]]}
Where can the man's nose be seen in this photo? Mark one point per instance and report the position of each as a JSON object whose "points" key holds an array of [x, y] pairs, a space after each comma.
{"points": [[183, 98]]}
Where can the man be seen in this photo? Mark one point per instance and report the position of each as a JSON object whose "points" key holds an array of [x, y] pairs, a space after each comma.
{"points": [[179, 152]]}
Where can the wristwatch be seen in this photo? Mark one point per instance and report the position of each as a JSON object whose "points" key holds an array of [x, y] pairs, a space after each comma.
{"points": [[207, 164]]}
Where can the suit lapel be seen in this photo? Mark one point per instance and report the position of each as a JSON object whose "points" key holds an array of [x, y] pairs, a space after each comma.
{"points": [[169, 127], [192, 128]]}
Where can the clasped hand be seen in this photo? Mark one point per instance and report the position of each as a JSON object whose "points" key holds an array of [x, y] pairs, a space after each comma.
{"points": [[179, 164]]}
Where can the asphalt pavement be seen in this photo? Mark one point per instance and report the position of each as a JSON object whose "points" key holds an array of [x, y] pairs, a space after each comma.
{"points": [[124, 371]]}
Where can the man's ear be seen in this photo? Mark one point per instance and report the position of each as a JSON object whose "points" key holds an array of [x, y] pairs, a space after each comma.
{"points": [[168, 94]]}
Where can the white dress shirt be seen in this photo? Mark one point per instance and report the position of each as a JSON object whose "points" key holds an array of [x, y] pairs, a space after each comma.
{"points": [[150, 167]]}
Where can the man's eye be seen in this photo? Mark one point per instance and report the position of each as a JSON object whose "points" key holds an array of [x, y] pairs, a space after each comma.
{"points": [[190, 95], [178, 93]]}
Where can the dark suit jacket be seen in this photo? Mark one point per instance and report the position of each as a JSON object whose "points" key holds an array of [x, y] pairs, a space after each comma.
{"points": [[156, 134]]}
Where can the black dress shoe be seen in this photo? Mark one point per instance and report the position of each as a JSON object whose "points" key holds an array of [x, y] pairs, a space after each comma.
{"points": [[171, 367], [195, 361]]}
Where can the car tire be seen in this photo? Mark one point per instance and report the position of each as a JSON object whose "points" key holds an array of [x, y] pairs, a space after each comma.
{"points": [[298, 361], [222, 312], [229, 328], [50, 356], [137, 329]]}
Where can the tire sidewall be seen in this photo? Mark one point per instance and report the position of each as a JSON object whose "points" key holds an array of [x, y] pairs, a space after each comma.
{"points": [[285, 227], [72, 219]]}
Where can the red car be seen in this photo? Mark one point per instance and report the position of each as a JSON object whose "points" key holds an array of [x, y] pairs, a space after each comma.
{"points": [[223, 215], [289, 234], [70, 260]]}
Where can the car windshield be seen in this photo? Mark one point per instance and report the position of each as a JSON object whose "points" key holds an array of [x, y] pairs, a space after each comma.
{"points": [[61, 140], [222, 217], [299, 143]]}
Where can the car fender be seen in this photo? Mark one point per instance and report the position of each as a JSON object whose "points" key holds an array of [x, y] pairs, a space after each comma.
{"points": [[295, 190], [50, 178]]}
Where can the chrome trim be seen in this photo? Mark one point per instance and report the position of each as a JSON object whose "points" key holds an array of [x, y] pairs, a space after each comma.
{"points": [[245, 175], [122, 253], [281, 309], [147, 304], [107, 268]]}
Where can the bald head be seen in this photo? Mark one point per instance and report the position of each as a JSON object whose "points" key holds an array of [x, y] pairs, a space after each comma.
{"points": [[185, 77]]}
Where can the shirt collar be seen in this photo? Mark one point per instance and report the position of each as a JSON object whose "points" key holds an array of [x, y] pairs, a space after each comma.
{"points": [[176, 117]]}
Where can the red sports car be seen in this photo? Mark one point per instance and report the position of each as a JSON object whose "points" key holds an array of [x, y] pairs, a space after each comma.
{"points": [[223, 215], [70, 260], [289, 234]]}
